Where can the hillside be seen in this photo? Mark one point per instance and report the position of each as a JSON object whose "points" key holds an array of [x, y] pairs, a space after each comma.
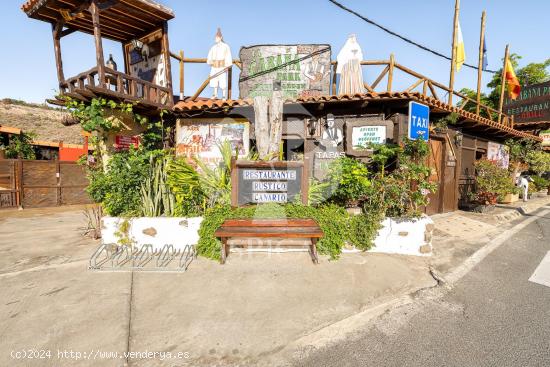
{"points": [[44, 121]]}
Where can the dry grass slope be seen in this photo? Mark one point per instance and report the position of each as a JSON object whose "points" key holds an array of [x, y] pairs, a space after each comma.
{"points": [[45, 122]]}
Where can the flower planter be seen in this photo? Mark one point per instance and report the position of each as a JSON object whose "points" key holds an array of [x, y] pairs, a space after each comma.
{"points": [[156, 231], [510, 198], [405, 236]]}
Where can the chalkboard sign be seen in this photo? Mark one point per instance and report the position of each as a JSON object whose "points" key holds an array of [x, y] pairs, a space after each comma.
{"points": [[255, 182]]}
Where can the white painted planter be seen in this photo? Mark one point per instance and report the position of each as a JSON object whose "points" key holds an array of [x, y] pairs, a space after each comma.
{"points": [[157, 231], [405, 236]]}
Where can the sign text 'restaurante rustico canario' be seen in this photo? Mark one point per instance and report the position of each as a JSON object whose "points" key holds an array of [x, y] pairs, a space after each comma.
{"points": [[257, 182], [533, 104], [298, 74]]}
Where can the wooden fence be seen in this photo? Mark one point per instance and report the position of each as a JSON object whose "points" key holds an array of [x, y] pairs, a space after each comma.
{"points": [[33, 184]]}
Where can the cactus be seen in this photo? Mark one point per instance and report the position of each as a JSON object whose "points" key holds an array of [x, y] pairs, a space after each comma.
{"points": [[157, 199]]}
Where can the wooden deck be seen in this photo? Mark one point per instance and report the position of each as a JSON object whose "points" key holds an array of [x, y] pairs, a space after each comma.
{"points": [[117, 86]]}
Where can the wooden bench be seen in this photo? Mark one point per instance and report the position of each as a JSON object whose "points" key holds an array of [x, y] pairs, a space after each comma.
{"points": [[291, 232]]}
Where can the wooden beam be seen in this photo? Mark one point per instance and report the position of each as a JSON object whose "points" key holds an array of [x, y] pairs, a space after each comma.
{"points": [[167, 61], [94, 10], [56, 33], [390, 73], [182, 80], [380, 77]]}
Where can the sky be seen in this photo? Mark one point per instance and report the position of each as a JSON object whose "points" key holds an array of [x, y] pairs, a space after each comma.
{"points": [[29, 73]]}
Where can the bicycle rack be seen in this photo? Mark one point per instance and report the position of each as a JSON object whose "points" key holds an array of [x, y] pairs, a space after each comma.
{"points": [[114, 257]]}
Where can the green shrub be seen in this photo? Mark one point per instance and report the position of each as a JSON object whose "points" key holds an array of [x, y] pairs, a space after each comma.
{"points": [[20, 146], [349, 179], [363, 230], [198, 185], [540, 183], [492, 182], [404, 191], [335, 222], [118, 187]]}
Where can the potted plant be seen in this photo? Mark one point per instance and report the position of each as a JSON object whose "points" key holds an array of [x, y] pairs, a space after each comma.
{"points": [[492, 184], [349, 183]]}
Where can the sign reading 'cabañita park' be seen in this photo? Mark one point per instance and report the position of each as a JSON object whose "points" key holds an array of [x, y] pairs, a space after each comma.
{"points": [[533, 104], [299, 70]]}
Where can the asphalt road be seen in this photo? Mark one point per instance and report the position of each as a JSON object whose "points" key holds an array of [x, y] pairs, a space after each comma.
{"points": [[493, 316]]}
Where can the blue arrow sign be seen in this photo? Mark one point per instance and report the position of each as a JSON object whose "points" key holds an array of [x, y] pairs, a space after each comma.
{"points": [[419, 121]]}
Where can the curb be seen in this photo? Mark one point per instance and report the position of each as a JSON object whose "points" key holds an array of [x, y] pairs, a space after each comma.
{"points": [[521, 210]]}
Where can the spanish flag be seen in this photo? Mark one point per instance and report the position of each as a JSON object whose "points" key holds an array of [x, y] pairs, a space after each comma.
{"points": [[512, 80], [460, 53]]}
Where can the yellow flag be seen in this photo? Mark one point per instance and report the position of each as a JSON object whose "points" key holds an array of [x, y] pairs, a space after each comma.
{"points": [[460, 53]]}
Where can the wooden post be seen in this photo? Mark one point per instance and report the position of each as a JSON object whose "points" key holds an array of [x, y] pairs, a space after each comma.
{"points": [[275, 124], [58, 176], [94, 10], [390, 72], [56, 33], [20, 181], [229, 81], [166, 49], [181, 76], [261, 125], [453, 53], [502, 86], [480, 61], [334, 78]]}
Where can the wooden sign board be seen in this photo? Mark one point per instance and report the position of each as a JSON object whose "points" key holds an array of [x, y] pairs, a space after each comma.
{"points": [[259, 182], [298, 70], [545, 135], [362, 131], [532, 104]]}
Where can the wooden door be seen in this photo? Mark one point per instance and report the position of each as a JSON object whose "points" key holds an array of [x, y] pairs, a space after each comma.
{"points": [[435, 162]]}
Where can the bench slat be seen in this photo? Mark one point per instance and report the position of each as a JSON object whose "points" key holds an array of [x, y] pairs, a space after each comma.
{"points": [[270, 223], [261, 232]]}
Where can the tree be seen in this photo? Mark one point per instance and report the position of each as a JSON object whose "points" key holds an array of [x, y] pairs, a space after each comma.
{"points": [[532, 73]]}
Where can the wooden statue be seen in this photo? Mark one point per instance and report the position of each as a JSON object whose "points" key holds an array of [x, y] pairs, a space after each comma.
{"points": [[219, 58]]}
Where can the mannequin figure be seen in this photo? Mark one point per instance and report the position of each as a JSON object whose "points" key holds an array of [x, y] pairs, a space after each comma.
{"points": [[349, 67], [219, 58]]}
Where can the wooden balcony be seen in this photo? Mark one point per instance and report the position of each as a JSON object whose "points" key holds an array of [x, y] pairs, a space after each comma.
{"points": [[118, 86]]}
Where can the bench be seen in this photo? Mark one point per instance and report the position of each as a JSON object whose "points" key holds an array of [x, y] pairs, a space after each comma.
{"points": [[289, 232]]}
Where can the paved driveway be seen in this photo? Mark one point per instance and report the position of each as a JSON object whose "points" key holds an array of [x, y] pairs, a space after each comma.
{"points": [[238, 313]]}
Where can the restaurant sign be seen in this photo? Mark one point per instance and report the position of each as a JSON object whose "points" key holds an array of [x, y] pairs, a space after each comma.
{"points": [[297, 70], [532, 104], [256, 182], [545, 135], [123, 142]]}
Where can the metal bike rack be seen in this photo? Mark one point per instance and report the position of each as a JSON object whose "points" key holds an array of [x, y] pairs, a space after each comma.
{"points": [[114, 257]]}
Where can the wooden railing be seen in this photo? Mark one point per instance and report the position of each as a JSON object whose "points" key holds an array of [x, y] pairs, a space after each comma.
{"points": [[117, 84], [391, 70]]}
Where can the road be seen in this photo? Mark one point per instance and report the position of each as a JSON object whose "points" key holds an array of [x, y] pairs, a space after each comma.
{"points": [[493, 316]]}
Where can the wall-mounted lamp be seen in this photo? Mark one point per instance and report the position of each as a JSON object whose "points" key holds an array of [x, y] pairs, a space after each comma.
{"points": [[313, 127], [142, 48], [459, 137]]}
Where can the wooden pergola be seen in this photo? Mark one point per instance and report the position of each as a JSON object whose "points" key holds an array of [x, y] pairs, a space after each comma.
{"points": [[118, 20]]}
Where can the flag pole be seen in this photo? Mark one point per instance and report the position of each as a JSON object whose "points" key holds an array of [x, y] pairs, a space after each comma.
{"points": [[502, 87], [453, 53], [480, 63]]}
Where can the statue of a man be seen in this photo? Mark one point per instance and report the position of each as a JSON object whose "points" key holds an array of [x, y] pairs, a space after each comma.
{"points": [[219, 58]]}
